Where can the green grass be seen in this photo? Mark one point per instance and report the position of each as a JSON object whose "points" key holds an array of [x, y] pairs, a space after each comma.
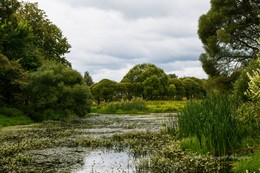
{"points": [[192, 144], [139, 107], [250, 165], [165, 106], [16, 120]]}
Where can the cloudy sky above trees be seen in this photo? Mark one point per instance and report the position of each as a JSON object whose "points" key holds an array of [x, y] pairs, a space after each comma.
{"points": [[109, 37]]}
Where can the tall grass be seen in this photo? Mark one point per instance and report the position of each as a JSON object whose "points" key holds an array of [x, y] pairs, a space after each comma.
{"points": [[211, 122], [131, 107]]}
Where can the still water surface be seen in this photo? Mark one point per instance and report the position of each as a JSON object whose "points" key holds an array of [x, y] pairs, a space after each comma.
{"points": [[108, 161]]}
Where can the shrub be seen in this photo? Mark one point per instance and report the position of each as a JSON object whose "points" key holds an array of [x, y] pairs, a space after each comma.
{"points": [[211, 122], [57, 91]]}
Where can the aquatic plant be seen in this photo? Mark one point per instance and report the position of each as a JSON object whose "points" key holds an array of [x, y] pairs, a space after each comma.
{"points": [[211, 121]]}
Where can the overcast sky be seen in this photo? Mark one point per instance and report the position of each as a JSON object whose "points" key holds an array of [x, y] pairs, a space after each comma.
{"points": [[109, 37]]}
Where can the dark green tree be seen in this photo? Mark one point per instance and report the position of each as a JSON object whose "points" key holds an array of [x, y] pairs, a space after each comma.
{"points": [[192, 88], [28, 36], [104, 90], [13, 81], [180, 90], [88, 79], [48, 38], [229, 33], [57, 91]]}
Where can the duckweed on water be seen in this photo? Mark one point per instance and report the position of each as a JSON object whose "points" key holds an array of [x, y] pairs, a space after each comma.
{"points": [[58, 147]]}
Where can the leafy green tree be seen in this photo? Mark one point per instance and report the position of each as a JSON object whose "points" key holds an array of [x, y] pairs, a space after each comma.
{"points": [[140, 73], [28, 36], [172, 91], [13, 81], [180, 90], [48, 38], [104, 90], [88, 79], [152, 88], [192, 88], [229, 33], [57, 91]]}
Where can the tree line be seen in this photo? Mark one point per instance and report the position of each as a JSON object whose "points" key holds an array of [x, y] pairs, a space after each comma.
{"points": [[148, 82]]}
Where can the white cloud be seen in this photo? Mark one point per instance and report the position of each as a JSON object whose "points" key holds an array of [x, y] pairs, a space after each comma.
{"points": [[109, 36]]}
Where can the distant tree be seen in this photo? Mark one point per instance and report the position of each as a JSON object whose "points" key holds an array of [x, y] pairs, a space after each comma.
{"points": [[229, 33], [172, 76], [104, 90], [172, 91], [153, 89], [88, 79], [180, 90], [140, 73], [192, 88], [57, 91]]}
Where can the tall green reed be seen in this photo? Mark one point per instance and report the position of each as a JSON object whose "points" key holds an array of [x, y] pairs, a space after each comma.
{"points": [[211, 122]]}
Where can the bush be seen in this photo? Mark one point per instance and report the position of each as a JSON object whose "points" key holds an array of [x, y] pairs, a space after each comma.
{"points": [[11, 112], [211, 122], [56, 92]]}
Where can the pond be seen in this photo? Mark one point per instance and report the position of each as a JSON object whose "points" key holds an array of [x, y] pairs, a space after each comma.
{"points": [[108, 161], [99, 144]]}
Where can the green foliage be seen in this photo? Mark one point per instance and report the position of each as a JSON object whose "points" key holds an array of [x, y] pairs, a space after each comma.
{"points": [[138, 106], [180, 90], [147, 80], [193, 88], [211, 122], [10, 116], [242, 83], [248, 165], [248, 118], [229, 33], [13, 80], [57, 91], [192, 144], [165, 106], [104, 90], [88, 79], [253, 91], [14, 120]]}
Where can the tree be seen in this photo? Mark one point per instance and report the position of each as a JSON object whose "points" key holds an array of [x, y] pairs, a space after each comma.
{"points": [[180, 91], [104, 90], [13, 81], [88, 79], [57, 91], [229, 33], [140, 73], [192, 88], [28, 36], [48, 38], [152, 88]]}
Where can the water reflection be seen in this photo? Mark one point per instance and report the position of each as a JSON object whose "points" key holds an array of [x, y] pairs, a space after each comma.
{"points": [[109, 161]]}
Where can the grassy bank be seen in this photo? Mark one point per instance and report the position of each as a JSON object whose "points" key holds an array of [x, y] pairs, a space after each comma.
{"points": [[139, 107]]}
